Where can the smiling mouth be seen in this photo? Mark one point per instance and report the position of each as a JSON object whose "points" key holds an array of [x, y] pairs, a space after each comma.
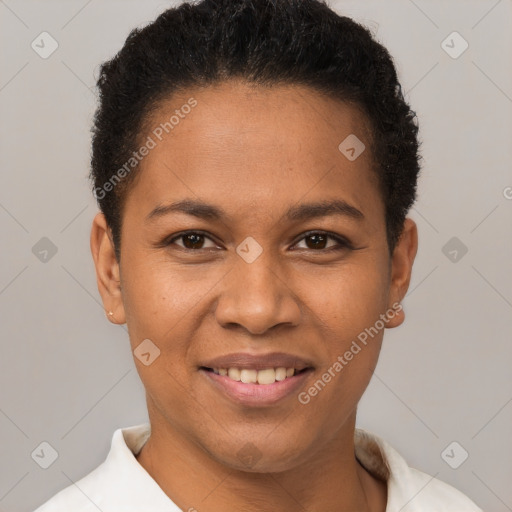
{"points": [[253, 376]]}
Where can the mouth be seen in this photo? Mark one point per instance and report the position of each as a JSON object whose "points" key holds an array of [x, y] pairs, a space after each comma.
{"points": [[254, 376], [256, 380]]}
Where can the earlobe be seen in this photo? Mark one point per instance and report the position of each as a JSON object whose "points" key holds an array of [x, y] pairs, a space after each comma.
{"points": [[107, 270], [395, 315], [401, 269]]}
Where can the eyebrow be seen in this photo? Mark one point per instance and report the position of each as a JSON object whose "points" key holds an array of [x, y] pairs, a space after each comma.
{"points": [[299, 212]]}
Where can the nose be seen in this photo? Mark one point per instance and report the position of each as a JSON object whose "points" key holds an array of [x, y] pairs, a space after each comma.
{"points": [[257, 296]]}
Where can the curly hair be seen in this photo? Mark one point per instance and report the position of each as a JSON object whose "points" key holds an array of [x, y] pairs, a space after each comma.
{"points": [[265, 42]]}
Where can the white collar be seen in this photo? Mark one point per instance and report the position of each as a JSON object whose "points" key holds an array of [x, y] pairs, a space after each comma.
{"points": [[121, 484]]}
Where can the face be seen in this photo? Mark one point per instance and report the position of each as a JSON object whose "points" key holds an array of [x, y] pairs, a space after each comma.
{"points": [[277, 259]]}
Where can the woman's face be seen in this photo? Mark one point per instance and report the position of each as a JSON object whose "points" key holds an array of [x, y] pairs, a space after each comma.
{"points": [[253, 277]]}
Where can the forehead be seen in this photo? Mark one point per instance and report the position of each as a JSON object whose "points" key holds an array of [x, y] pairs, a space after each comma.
{"points": [[254, 149]]}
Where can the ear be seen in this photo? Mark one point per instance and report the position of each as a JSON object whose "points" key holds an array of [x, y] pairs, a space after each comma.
{"points": [[107, 269], [401, 269]]}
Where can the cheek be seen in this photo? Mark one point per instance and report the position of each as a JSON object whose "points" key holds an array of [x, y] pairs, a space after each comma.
{"points": [[163, 304], [157, 294], [348, 299], [347, 307], [159, 307]]}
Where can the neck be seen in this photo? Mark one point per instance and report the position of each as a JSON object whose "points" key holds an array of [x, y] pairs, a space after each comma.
{"points": [[331, 479]]}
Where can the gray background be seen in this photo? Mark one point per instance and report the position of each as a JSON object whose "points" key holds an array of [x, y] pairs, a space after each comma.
{"points": [[66, 374]]}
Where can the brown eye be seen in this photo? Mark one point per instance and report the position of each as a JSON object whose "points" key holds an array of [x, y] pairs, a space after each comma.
{"points": [[315, 241], [191, 240], [318, 241]]}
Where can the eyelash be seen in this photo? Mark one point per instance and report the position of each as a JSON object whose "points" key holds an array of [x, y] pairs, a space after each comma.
{"points": [[343, 243]]}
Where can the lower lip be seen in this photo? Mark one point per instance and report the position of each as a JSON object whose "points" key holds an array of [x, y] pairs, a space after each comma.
{"points": [[256, 394]]}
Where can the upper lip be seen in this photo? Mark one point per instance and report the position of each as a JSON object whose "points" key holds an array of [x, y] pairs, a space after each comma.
{"points": [[257, 361]]}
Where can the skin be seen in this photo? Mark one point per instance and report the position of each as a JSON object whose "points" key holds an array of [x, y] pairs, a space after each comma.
{"points": [[254, 152]]}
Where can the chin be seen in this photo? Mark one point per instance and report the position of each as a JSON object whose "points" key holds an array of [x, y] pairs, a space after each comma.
{"points": [[258, 456]]}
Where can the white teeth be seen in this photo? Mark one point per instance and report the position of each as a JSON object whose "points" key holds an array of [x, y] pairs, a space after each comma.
{"points": [[280, 374], [250, 376], [234, 373], [266, 376]]}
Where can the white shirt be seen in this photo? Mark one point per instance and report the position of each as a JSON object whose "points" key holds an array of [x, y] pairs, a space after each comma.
{"points": [[121, 484]]}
